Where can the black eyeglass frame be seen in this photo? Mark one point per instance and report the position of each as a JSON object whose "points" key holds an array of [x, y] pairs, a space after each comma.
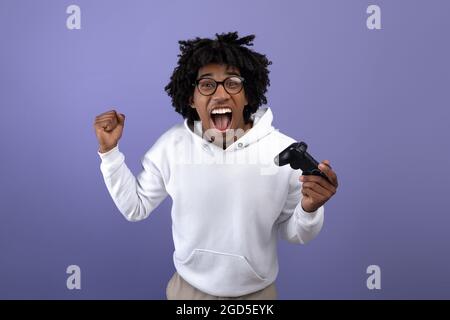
{"points": [[196, 83]]}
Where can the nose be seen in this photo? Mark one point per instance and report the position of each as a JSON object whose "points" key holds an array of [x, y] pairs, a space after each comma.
{"points": [[221, 93]]}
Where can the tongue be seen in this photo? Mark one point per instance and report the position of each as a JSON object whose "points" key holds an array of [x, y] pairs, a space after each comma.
{"points": [[221, 121]]}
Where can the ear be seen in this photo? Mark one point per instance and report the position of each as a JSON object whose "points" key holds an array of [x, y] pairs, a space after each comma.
{"points": [[191, 102]]}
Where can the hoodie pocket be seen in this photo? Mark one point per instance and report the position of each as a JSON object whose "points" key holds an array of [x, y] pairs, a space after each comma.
{"points": [[220, 273]]}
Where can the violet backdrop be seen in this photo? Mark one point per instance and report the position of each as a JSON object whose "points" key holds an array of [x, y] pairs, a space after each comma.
{"points": [[373, 102]]}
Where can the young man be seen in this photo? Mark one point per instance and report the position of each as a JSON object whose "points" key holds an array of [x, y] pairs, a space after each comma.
{"points": [[230, 201]]}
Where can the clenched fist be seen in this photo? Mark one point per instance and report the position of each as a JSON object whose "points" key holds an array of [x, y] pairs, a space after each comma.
{"points": [[108, 129]]}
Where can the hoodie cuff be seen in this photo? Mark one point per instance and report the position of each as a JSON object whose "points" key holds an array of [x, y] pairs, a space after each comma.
{"points": [[111, 161], [108, 154], [308, 218]]}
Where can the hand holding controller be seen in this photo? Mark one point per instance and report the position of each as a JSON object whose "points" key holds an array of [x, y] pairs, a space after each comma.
{"points": [[298, 158]]}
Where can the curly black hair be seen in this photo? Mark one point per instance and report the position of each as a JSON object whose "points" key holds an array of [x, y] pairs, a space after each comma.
{"points": [[226, 49]]}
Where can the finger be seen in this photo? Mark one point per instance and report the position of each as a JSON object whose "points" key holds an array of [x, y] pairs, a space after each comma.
{"points": [[107, 125], [314, 195], [326, 169], [121, 119], [320, 180], [305, 192], [107, 116], [104, 122], [325, 193], [110, 112]]}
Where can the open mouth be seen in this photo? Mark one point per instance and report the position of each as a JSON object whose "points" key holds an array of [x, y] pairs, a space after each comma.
{"points": [[221, 118]]}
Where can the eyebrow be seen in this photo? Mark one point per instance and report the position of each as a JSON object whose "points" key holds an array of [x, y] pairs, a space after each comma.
{"points": [[231, 73]]}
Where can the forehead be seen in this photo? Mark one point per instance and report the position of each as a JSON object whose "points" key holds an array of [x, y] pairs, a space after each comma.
{"points": [[217, 70]]}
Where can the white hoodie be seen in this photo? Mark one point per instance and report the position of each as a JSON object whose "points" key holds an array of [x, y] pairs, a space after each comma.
{"points": [[228, 205]]}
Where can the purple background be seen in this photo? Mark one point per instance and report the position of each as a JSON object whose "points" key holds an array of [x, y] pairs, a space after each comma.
{"points": [[373, 102]]}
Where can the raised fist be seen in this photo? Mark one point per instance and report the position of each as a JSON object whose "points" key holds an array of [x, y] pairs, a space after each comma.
{"points": [[108, 129]]}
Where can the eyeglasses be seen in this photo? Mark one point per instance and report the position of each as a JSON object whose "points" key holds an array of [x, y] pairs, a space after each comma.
{"points": [[207, 86]]}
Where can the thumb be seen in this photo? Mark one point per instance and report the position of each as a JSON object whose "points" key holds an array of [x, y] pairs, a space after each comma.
{"points": [[327, 162]]}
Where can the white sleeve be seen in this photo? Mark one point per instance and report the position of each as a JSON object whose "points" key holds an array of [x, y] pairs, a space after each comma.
{"points": [[296, 225], [135, 197]]}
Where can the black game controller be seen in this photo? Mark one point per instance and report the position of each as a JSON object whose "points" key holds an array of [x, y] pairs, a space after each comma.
{"points": [[298, 158]]}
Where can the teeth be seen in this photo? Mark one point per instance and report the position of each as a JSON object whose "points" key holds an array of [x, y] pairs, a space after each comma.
{"points": [[221, 110]]}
